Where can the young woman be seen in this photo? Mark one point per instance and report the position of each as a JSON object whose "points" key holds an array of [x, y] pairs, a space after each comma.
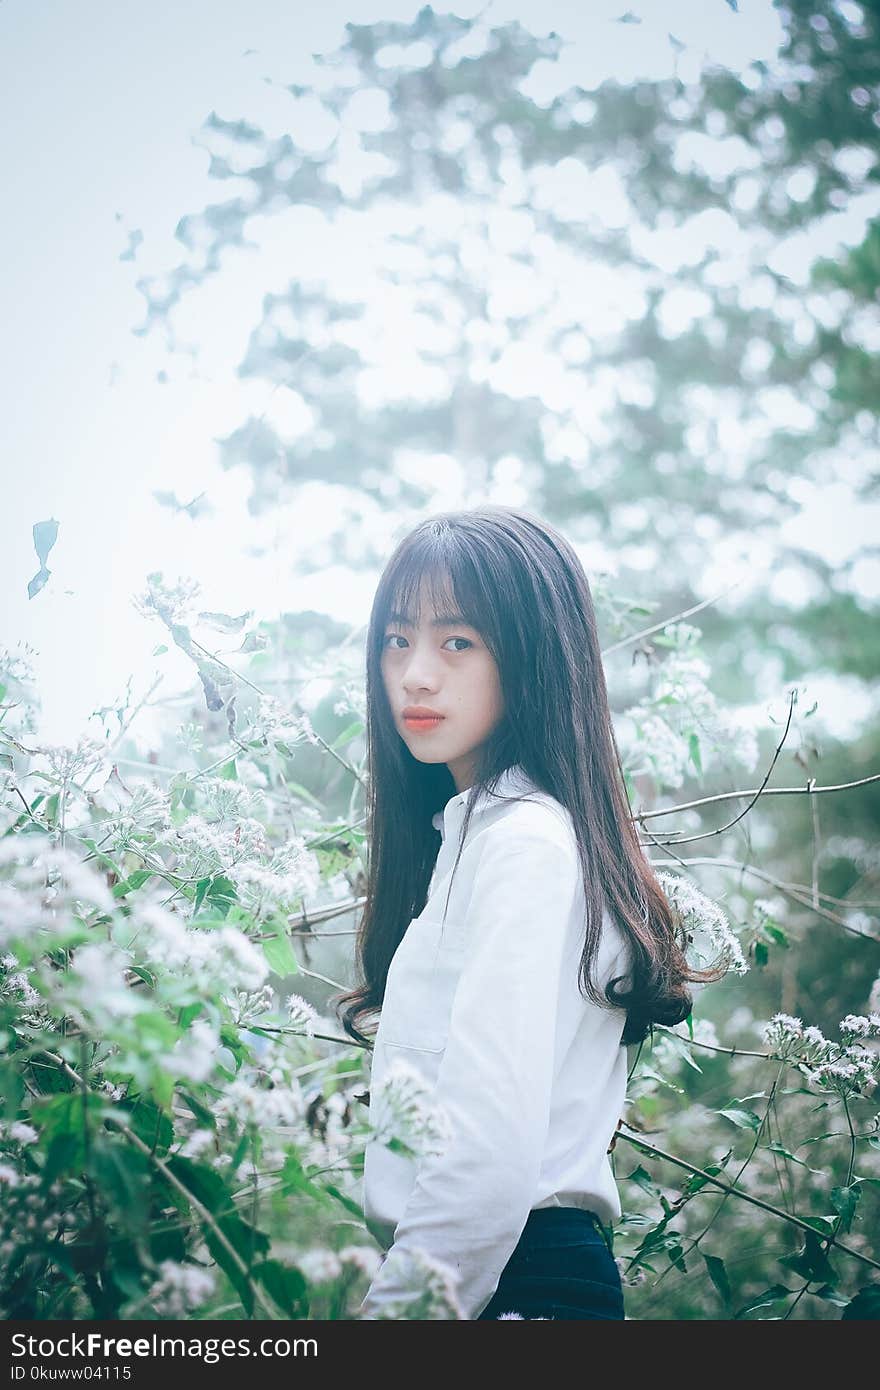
{"points": [[515, 938]]}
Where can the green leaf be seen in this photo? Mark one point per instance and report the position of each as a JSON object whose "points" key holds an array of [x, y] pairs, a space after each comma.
{"points": [[775, 1147], [122, 1174], [763, 1300], [201, 1112], [694, 751], [718, 1275], [777, 933], [348, 734], [222, 622], [286, 1285], [845, 1200], [355, 1208], [203, 1182], [744, 1119], [866, 1303], [279, 952], [231, 1038], [222, 894], [642, 1178], [811, 1261], [66, 1154], [45, 536], [655, 1075], [134, 881], [151, 1125], [201, 892], [677, 1044]]}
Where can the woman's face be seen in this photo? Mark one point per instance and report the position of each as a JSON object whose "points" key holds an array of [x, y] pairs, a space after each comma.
{"points": [[442, 666]]}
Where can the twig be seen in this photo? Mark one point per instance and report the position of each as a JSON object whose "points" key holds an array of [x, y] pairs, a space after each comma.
{"points": [[686, 613], [810, 789], [744, 1196], [719, 830]]}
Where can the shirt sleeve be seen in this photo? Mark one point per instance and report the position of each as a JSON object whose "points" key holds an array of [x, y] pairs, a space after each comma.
{"points": [[469, 1204]]}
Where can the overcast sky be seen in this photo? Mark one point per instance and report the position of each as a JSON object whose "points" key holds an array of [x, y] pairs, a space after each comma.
{"points": [[101, 105]]}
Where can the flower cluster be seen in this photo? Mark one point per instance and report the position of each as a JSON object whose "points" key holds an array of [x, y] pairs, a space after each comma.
{"points": [[223, 959], [272, 723], [353, 700], [179, 1289], [401, 1108], [292, 875], [44, 884], [249, 1102], [171, 603], [702, 918], [428, 1286], [680, 705], [301, 1014], [148, 809], [845, 1068]]}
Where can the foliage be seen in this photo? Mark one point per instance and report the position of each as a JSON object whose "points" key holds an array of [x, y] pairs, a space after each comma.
{"points": [[182, 1133]]}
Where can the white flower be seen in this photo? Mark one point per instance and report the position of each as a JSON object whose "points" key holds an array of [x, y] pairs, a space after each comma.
{"points": [[365, 1258], [847, 1070], [179, 1289], [301, 1014], [222, 958], [319, 1266], [245, 1004], [857, 1025], [353, 700], [701, 916], [88, 760], [36, 864], [149, 807], [18, 1132], [428, 1286], [783, 1034], [291, 875], [401, 1108], [265, 1107], [274, 723], [198, 1141], [96, 989], [171, 603], [205, 848], [194, 1055]]}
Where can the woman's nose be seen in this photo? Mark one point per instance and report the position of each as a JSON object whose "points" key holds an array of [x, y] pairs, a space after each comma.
{"points": [[420, 671]]}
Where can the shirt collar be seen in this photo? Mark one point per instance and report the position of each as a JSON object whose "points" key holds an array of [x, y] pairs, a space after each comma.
{"points": [[512, 782]]}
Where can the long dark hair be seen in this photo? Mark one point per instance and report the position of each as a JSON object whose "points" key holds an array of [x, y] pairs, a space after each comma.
{"points": [[521, 585]]}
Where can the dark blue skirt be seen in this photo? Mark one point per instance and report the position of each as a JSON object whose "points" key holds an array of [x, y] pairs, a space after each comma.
{"points": [[562, 1267]]}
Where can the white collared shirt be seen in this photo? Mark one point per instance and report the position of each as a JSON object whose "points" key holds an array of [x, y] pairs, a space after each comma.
{"points": [[531, 1075]]}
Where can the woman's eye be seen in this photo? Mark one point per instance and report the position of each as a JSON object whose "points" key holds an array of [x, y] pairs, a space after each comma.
{"points": [[392, 637]]}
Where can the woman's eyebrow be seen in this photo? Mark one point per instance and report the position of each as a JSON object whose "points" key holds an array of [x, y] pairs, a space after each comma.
{"points": [[442, 620]]}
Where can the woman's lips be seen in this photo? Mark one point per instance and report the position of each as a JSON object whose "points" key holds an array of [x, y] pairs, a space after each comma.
{"points": [[422, 723]]}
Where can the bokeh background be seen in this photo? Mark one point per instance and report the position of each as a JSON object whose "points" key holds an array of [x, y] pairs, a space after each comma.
{"points": [[274, 284]]}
